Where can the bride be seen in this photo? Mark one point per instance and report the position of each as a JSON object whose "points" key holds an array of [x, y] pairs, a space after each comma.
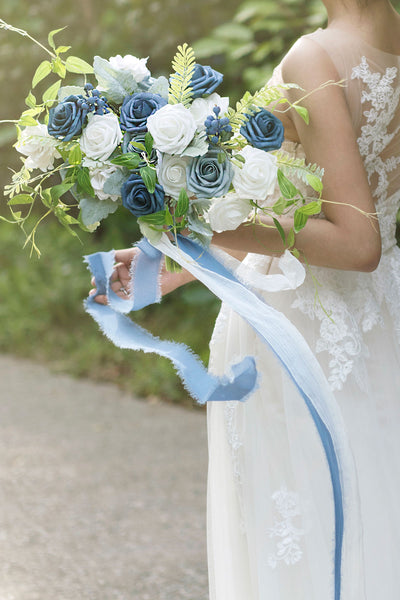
{"points": [[270, 515]]}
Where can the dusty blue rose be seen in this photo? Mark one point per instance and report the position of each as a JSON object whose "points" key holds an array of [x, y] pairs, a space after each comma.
{"points": [[67, 118], [128, 145], [264, 131], [207, 178], [137, 198], [136, 109], [204, 81]]}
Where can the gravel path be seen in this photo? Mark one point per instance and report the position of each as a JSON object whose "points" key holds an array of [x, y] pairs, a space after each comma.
{"points": [[102, 496]]}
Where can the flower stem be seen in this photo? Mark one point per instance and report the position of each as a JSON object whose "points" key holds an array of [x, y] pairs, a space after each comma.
{"points": [[4, 25]]}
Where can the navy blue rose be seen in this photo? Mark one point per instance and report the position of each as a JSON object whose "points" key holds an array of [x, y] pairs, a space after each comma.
{"points": [[67, 118], [136, 109], [206, 177], [204, 81], [264, 131], [137, 198]]}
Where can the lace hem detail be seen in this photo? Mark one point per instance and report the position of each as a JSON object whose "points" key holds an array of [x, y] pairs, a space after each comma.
{"points": [[288, 549]]}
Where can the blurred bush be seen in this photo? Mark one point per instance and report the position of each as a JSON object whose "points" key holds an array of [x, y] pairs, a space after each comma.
{"points": [[41, 313]]}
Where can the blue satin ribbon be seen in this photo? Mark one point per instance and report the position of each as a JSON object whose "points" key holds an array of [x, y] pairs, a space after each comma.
{"points": [[273, 327]]}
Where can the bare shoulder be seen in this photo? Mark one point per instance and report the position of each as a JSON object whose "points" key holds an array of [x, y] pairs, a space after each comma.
{"points": [[308, 64]]}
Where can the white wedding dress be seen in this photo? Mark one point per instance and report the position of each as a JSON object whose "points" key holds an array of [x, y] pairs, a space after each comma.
{"points": [[270, 514]]}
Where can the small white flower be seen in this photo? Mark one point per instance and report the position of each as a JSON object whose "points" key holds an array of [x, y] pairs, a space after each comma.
{"points": [[39, 147], [101, 136], [257, 178], [172, 127], [201, 108], [228, 212], [171, 172], [98, 176], [135, 66]]}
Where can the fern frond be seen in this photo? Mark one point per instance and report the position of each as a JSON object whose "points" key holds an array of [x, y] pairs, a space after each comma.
{"points": [[252, 103], [297, 167], [183, 64]]}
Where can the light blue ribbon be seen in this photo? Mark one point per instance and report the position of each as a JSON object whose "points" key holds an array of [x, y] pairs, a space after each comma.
{"points": [[273, 327]]}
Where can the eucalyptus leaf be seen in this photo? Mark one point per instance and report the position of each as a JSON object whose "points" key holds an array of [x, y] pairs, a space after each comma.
{"points": [[93, 210]]}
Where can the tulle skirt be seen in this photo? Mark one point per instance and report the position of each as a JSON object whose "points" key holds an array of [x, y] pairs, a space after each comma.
{"points": [[270, 504]]}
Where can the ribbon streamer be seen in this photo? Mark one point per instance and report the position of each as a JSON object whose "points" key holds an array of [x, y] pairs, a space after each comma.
{"points": [[277, 332]]}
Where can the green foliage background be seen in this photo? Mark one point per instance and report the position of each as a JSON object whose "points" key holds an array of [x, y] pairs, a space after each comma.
{"points": [[41, 313]]}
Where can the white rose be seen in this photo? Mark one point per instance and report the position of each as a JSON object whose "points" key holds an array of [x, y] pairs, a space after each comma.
{"points": [[228, 212], [171, 173], [98, 176], [39, 146], [101, 136], [257, 177], [172, 127], [201, 108], [135, 66]]}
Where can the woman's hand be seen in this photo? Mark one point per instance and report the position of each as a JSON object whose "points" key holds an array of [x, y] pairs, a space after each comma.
{"points": [[120, 279]]}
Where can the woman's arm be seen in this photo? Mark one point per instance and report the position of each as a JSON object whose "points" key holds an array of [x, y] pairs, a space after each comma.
{"points": [[346, 239]]}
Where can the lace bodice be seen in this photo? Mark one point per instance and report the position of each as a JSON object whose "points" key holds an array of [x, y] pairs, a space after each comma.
{"points": [[351, 304]]}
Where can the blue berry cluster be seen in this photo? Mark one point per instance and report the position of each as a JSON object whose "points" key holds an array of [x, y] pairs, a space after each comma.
{"points": [[93, 101], [217, 129]]}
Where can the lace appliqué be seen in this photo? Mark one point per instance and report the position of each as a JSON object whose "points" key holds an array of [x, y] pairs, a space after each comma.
{"points": [[352, 301], [288, 549]]}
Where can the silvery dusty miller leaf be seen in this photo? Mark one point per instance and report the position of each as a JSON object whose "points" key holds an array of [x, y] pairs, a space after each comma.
{"points": [[116, 84], [93, 210]]}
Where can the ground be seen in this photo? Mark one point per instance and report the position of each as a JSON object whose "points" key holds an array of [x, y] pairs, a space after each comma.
{"points": [[102, 496]]}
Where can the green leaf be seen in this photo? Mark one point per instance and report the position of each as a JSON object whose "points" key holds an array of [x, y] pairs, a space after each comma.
{"points": [[20, 199], [62, 49], [130, 160], [30, 100], [41, 72], [221, 158], [51, 35], [157, 218], [300, 219], [83, 182], [68, 90], [59, 68], [74, 64], [290, 239], [50, 95], [148, 174], [75, 155], [303, 112], [295, 253], [46, 198], [240, 158], [287, 188], [183, 204], [312, 208], [315, 182], [279, 206], [280, 230], [148, 142], [27, 121], [58, 190]]}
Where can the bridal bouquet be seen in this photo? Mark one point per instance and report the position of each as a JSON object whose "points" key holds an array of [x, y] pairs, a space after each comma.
{"points": [[169, 150]]}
